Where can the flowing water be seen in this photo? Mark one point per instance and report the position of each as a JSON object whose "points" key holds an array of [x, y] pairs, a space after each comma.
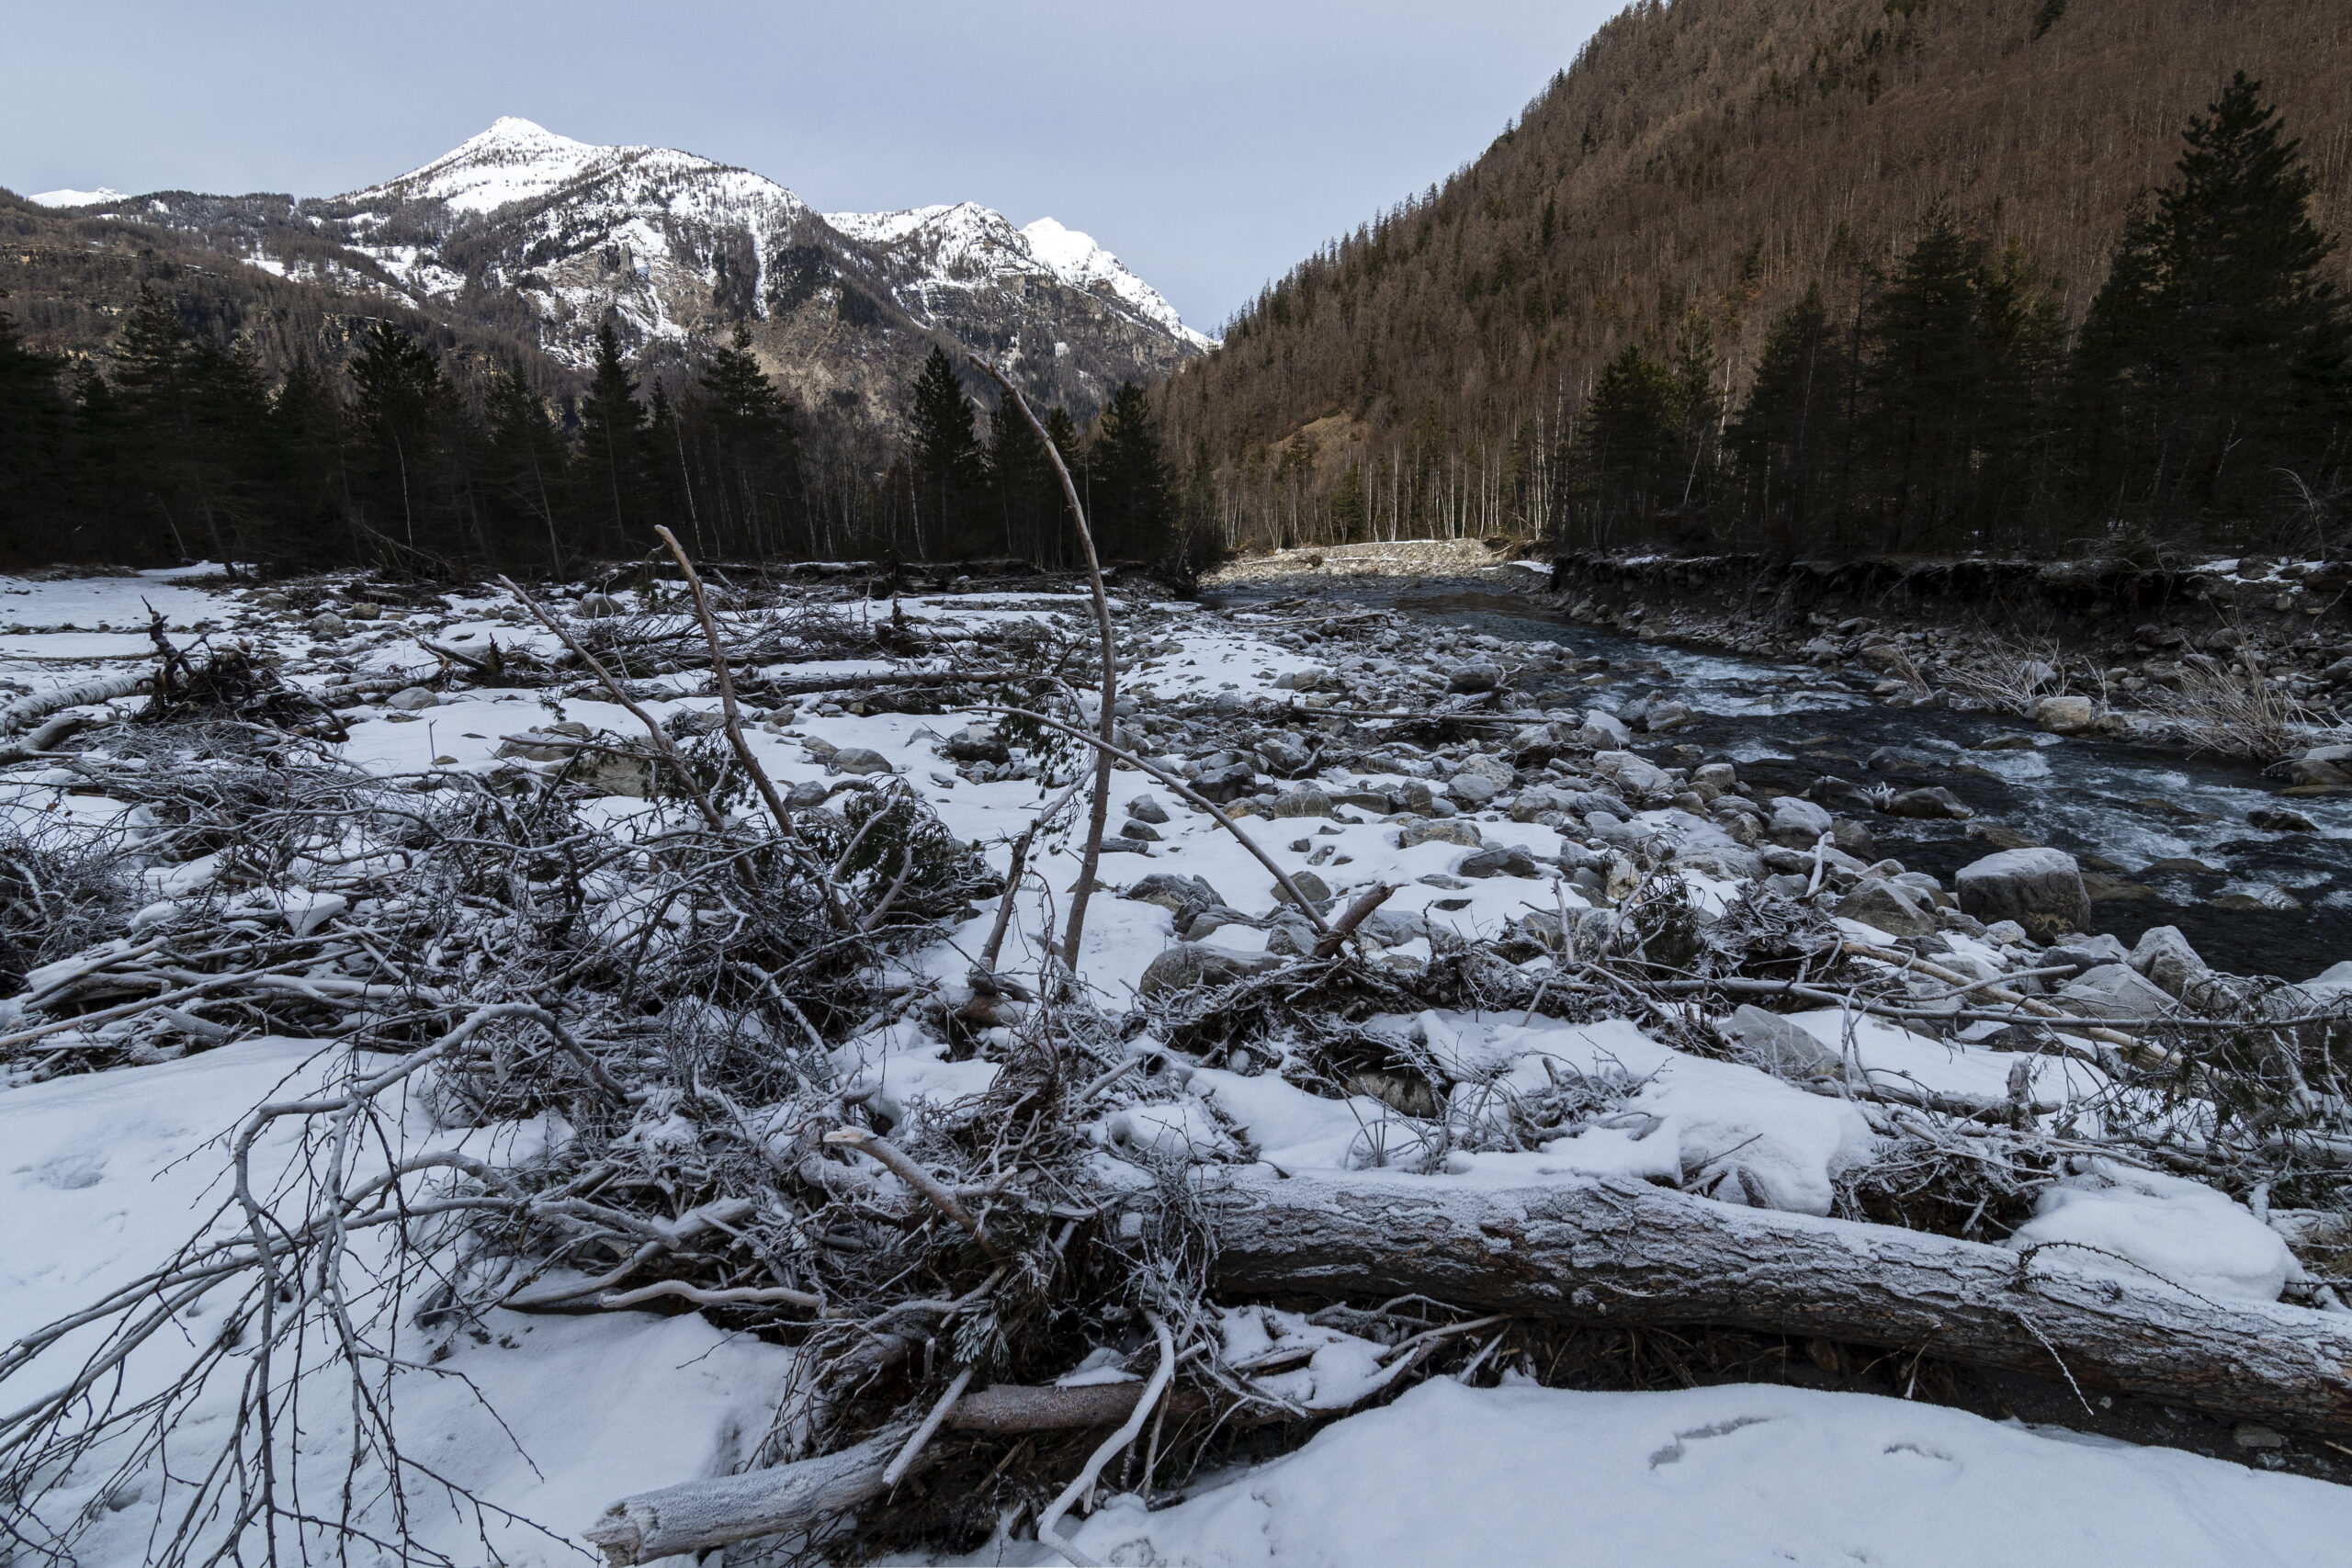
{"points": [[2168, 834]]}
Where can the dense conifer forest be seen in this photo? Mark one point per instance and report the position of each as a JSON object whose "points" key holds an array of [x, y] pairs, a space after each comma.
{"points": [[1852, 276]]}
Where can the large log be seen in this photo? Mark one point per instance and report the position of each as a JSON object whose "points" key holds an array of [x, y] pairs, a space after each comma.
{"points": [[696, 1516], [1627, 1254]]}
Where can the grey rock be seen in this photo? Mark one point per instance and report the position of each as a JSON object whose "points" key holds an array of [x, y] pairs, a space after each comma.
{"points": [[978, 743], [2165, 956], [1796, 822], [1183, 896], [363, 611], [1502, 860], [1636, 776], [1374, 801], [1890, 907], [1308, 802], [1472, 789], [1933, 803], [1191, 964], [1475, 678], [2024, 885], [1313, 887], [413, 699], [1766, 1039], [1448, 832], [2113, 990], [1144, 832], [807, 794], [816, 746], [1199, 927], [328, 624], [1603, 730], [2065, 716], [859, 759], [1147, 808], [1284, 753], [2278, 819], [1664, 717]]}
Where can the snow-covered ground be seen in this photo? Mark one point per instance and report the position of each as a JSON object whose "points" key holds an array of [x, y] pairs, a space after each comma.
{"points": [[104, 1175]]}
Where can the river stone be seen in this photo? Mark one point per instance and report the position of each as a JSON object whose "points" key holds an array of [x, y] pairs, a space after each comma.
{"points": [[1147, 808], [1183, 896], [2024, 885], [1636, 776], [1892, 907], [1932, 803], [1191, 964], [1199, 927], [1141, 832], [1603, 730], [816, 746], [1284, 753], [1797, 823], [2272, 820], [1472, 789], [1446, 830], [2065, 716], [413, 699], [978, 743], [1313, 887], [860, 760], [1766, 1039], [598, 606], [1473, 678], [1308, 802], [328, 624], [1664, 717], [2113, 990], [1374, 801], [1537, 800], [2165, 956], [1502, 860]]}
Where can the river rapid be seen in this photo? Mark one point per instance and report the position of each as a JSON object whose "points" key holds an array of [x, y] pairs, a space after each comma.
{"points": [[2164, 838]]}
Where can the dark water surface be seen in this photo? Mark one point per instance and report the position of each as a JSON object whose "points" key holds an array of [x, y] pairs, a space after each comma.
{"points": [[2138, 815]]}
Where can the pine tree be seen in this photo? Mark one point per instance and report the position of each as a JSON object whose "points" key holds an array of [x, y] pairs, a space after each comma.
{"points": [[1628, 439], [1129, 514], [34, 429], [525, 465], [612, 441], [400, 399], [1790, 438], [2215, 354], [949, 467]]}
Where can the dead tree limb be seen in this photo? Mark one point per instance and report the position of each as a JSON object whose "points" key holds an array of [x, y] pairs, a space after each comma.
{"points": [[1107, 723], [1626, 1254], [40, 705], [696, 1515]]}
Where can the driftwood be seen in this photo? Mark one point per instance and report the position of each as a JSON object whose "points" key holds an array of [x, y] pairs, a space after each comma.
{"points": [[1627, 1254], [696, 1516], [40, 705]]}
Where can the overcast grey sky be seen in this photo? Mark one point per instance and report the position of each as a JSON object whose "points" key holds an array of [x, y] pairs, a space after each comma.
{"points": [[1209, 143]]}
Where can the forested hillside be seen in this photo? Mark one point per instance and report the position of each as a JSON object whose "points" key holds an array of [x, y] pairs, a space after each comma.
{"points": [[1897, 218]]}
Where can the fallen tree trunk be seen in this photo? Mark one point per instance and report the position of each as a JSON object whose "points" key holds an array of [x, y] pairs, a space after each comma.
{"points": [[696, 1516], [1625, 1254], [40, 705]]}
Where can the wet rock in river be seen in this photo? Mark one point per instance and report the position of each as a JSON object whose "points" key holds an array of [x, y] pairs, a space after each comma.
{"points": [[2277, 819], [2028, 886], [1890, 907], [1937, 803], [2065, 716]]}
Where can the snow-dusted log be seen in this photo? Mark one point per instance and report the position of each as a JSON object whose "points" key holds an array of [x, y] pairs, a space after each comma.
{"points": [[40, 705], [696, 1516], [1626, 1254]]}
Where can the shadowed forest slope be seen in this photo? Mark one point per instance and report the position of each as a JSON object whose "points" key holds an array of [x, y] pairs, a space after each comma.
{"points": [[1681, 189]]}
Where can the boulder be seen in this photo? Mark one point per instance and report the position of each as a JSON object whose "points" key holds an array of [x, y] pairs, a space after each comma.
{"points": [[807, 794], [978, 743], [1316, 891], [1374, 801], [2065, 716], [1307, 802], [1472, 790], [1192, 963], [1142, 833], [1932, 804], [1147, 808], [2113, 990], [1664, 717], [2024, 885], [2165, 956], [1889, 906], [1182, 896], [412, 700], [1475, 678], [1537, 800], [1604, 730], [861, 761], [1797, 823], [1284, 753], [1766, 1039], [2277, 819], [328, 624], [1636, 776], [1502, 860], [1444, 830]]}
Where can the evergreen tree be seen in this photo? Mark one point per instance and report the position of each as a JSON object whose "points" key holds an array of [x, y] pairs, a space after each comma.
{"points": [[397, 410], [34, 428], [1028, 493], [1129, 511], [1790, 438], [305, 435], [523, 466], [949, 467], [743, 427], [612, 443], [1698, 374], [1629, 439], [2214, 357]]}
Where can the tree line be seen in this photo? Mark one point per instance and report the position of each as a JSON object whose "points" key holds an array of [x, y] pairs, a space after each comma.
{"points": [[1937, 400], [178, 446]]}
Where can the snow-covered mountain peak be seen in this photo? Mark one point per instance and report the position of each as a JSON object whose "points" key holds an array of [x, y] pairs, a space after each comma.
{"points": [[518, 160], [76, 198], [1082, 264]]}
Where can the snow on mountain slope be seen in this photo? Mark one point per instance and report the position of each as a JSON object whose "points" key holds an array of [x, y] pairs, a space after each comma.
{"points": [[514, 160], [75, 198], [1082, 264]]}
